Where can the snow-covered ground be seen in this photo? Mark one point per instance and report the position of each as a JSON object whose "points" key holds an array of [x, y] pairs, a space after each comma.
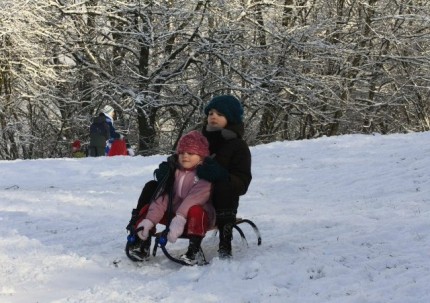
{"points": [[343, 219]]}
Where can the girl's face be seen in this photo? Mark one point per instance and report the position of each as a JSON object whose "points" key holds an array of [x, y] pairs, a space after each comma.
{"points": [[216, 119], [189, 160]]}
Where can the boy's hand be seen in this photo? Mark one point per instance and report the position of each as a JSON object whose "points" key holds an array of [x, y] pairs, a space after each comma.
{"points": [[211, 171], [162, 170], [164, 167]]}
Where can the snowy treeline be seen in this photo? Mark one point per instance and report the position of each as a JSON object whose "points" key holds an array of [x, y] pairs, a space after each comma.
{"points": [[303, 68]]}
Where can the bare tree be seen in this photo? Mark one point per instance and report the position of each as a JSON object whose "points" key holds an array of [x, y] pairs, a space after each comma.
{"points": [[30, 116], [302, 68]]}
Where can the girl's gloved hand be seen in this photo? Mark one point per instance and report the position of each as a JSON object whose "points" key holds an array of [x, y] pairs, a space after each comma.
{"points": [[147, 225], [176, 228]]}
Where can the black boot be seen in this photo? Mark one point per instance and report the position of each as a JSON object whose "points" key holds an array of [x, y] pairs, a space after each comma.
{"points": [[145, 247], [225, 222], [225, 237], [193, 255], [141, 251]]}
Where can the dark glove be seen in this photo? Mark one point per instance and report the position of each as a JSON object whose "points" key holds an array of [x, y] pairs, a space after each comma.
{"points": [[163, 169], [211, 171], [161, 172]]}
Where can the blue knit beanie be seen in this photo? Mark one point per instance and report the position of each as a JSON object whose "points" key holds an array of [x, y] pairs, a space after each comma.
{"points": [[227, 105]]}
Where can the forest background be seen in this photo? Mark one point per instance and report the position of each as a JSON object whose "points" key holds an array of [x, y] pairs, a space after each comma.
{"points": [[302, 68]]}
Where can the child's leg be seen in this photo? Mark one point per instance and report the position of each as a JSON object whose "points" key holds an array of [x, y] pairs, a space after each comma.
{"points": [[141, 249], [144, 199], [226, 204], [224, 199], [196, 228], [197, 222], [146, 194]]}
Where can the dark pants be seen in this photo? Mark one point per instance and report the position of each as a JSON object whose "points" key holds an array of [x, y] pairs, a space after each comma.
{"points": [[96, 151], [147, 194], [225, 202]]}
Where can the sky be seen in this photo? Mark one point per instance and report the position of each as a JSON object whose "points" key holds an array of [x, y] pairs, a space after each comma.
{"points": [[342, 219]]}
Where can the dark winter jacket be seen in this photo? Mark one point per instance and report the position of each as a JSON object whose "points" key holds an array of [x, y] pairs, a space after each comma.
{"points": [[99, 133], [232, 153]]}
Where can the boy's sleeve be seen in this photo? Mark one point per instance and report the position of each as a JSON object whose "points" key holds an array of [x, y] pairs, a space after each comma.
{"points": [[240, 172]]}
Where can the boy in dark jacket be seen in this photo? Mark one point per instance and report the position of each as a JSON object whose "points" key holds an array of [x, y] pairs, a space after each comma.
{"points": [[229, 166]]}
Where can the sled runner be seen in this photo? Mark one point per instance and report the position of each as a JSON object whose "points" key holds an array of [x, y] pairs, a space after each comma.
{"points": [[161, 241]]}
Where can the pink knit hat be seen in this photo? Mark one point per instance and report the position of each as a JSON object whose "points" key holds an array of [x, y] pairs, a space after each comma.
{"points": [[195, 143]]}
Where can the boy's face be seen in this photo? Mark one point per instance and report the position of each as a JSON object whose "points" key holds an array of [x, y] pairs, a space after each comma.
{"points": [[189, 160], [216, 119]]}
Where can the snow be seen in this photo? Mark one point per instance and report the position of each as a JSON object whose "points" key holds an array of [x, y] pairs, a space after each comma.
{"points": [[342, 219]]}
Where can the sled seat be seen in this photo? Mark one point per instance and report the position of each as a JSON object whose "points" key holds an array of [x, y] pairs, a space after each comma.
{"points": [[161, 239]]}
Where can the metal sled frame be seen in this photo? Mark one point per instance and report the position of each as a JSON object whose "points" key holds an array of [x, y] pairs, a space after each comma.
{"points": [[161, 241]]}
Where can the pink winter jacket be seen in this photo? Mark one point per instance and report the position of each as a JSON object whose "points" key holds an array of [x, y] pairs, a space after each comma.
{"points": [[188, 190]]}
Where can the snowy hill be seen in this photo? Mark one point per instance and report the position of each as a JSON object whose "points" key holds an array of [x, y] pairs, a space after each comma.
{"points": [[343, 219]]}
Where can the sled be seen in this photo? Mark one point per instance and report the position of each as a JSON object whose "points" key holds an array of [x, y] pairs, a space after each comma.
{"points": [[118, 148], [161, 241]]}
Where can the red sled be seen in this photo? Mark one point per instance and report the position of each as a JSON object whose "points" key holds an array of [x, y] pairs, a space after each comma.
{"points": [[118, 148]]}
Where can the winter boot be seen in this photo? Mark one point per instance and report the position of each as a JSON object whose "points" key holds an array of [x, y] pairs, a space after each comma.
{"points": [[194, 254], [142, 249], [145, 247], [225, 224], [225, 237]]}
